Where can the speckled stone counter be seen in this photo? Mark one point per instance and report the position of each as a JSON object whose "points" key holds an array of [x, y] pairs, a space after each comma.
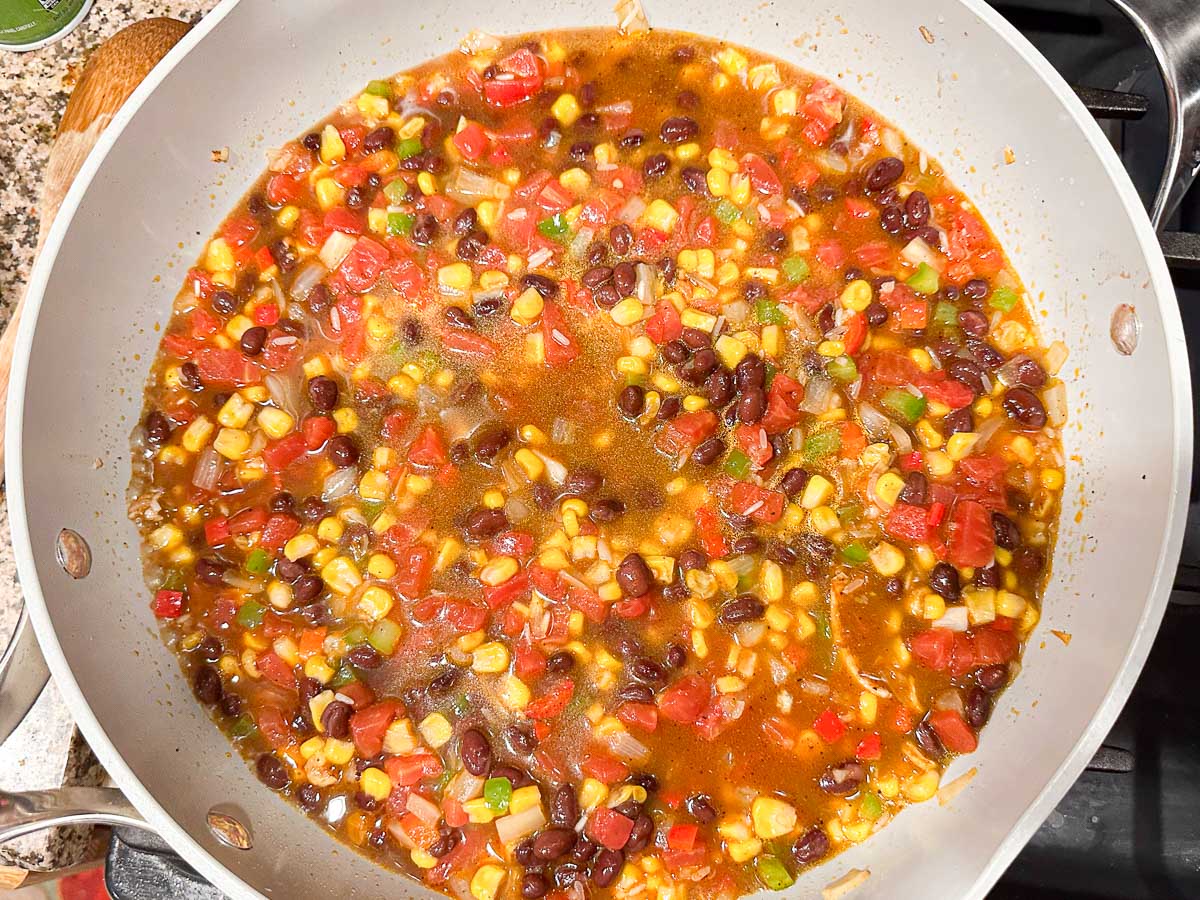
{"points": [[46, 751]]}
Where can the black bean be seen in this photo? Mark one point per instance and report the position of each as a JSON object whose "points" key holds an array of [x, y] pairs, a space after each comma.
{"points": [[534, 885], [445, 843], [639, 838], [1028, 373], [754, 290], [442, 683], [977, 289], [560, 661], [987, 576], [606, 510], [624, 278], [687, 99], [842, 779], [336, 719], [656, 166], [424, 231], [632, 400], [968, 373], [271, 772], [524, 853], [1028, 563], [891, 219], [596, 276], [751, 406], [189, 376], [583, 483], [466, 221], [471, 245], [810, 846], [323, 393], [476, 752], [928, 741], [916, 209], [944, 581], [635, 693], [719, 386], [684, 53], [958, 420], [308, 587], [676, 656], [750, 373], [648, 671], [701, 808], [985, 354], [581, 151], [675, 352], [621, 238], [775, 240], [678, 129], [794, 481], [342, 451], [782, 553], [311, 141], [547, 287], [158, 429], [283, 255], [364, 656], [482, 522], [978, 707], [708, 452], [209, 570], [209, 649], [992, 678], [607, 867], [692, 558], [747, 543], [231, 705], [695, 180], [521, 740], [309, 797], [744, 608], [458, 317], [207, 684], [1006, 532], [490, 442], [518, 778], [1024, 408], [411, 331], [884, 173], [568, 873], [633, 575], [915, 490], [701, 364], [553, 843]]}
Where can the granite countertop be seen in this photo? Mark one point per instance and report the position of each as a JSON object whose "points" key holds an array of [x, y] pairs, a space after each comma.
{"points": [[46, 750]]}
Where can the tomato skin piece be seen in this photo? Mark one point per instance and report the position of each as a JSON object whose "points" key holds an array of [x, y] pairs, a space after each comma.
{"points": [[248, 521], [317, 430], [275, 670], [972, 539], [953, 394], [469, 343], [682, 836], [472, 141], [280, 454], [510, 92], [685, 700], [665, 325], [869, 748], [589, 603], [932, 648], [993, 646], [414, 570], [610, 828], [686, 431], [217, 531], [501, 595], [273, 726], [412, 769], [226, 368], [953, 731], [856, 333], [711, 539], [363, 264], [553, 702], [278, 531], [783, 404], [428, 450], [604, 768], [962, 654]]}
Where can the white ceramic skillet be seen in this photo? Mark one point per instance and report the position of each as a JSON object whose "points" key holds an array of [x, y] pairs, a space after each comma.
{"points": [[950, 73]]}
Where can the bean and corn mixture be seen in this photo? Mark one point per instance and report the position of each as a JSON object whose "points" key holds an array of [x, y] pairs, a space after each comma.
{"points": [[556, 487]]}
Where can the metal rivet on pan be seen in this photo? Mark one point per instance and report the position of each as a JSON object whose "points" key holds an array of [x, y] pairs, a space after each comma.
{"points": [[229, 831], [1125, 329], [73, 553]]}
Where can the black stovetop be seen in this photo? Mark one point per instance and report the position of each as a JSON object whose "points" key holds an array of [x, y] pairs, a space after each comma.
{"points": [[1130, 826]]}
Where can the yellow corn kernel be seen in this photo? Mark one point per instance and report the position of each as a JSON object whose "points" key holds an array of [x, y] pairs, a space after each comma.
{"points": [[933, 607], [730, 350], [341, 574], [743, 851], [485, 883], [831, 349], [375, 783], [632, 365], [784, 102], [694, 318], [928, 435], [300, 546], [312, 746], [337, 752], [232, 443], [527, 308], [628, 311], [689, 152], [427, 184], [772, 817], [375, 603], [720, 158], [938, 463], [219, 256], [730, 684], [661, 215], [824, 520], [514, 693], [727, 577], [857, 295], [605, 153], [374, 485], [556, 560], [287, 216], [324, 557], [172, 456], [1010, 605], [921, 787], [694, 402], [700, 614], [279, 595], [961, 444], [575, 180], [886, 559], [739, 189], [566, 109], [417, 485], [1052, 479], [731, 61], [454, 278], [718, 182], [868, 707], [165, 537], [333, 148], [275, 422], [778, 618], [436, 730], [1023, 449], [763, 77], [592, 793], [816, 492], [346, 420], [479, 813], [524, 798], [236, 412], [330, 529], [772, 340], [196, 435], [381, 566], [888, 487], [499, 570], [770, 581], [329, 193], [380, 329], [530, 463]]}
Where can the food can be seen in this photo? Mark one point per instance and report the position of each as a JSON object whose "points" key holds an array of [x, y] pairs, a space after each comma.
{"points": [[29, 24]]}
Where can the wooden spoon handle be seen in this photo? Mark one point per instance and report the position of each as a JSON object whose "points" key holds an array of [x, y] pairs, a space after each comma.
{"points": [[108, 78]]}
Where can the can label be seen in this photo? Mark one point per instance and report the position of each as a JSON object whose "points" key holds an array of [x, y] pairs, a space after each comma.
{"points": [[26, 22]]}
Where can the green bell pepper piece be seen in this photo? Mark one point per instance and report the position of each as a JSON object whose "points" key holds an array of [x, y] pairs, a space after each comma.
{"points": [[773, 873], [384, 636], [924, 280], [908, 407], [769, 313], [250, 614], [399, 223], [737, 464], [379, 88], [257, 561], [841, 368], [1003, 299], [408, 147], [795, 268], [497, 793], [854, 553], [821, 444], [727, 212], [556, 227]]}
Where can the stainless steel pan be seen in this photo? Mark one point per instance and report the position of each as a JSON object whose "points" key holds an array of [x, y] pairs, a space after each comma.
{"points": [[951, 73]]}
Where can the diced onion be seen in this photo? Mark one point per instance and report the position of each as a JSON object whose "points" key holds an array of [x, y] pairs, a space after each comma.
{"points": [[476, 41], [285, 392], [1054, 357], [624, 108], [563, 431], [208, 469], [816, 395], [425, 810], [949, 700], [644, 290], [236, 579], [987, 431], [1054, 398], [460, 422], [954, 619], [512, 829], [555, 470], [742, 565], [468, 186], [873, 421], [633, 208], [900, 438], [464, 787], [581, 241], [340, 483], [516, 510], [335, 248], [736, 312], [626, 746], [917, 251]]}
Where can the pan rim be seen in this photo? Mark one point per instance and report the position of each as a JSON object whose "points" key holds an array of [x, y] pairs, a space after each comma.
{"points": [[1055, 787]]}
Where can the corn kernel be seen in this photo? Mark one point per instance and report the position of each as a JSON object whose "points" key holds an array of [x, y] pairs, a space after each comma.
{"points": [[530, 463], [824, 520], [300, 546], [341, 575], [337, 752], [485, 883], [479, 813], [922, 787], [938, 463], [1052, 479], [219, 256], [831, 349], [772, 818], [329, 193], [232, 443], [1010, 605], [888, 487], [333, 148], [287, 216], [592, 793], [857, 295], [784, 102], [816, 492], [886, 559], [196, 435], [960, 445], [499, 570], [743, 851], [718, 182], [374, 485], [346, 420], [686, 153], [528, 307], [628, 311], [730, 350], [165, 537], [236, 412], [375, 603], [694, 318], [868, 708], [772, 340], [933, 606], [566, 109], [770, 580], [375, 783], [454, 278], [524, 798], [660, 215], [731, 61], [275, 422], [330, 529]]}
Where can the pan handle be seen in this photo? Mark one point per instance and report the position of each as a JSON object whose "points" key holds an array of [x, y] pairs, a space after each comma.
{"points": [[1172, 30], [25, 813], [23, 675]]}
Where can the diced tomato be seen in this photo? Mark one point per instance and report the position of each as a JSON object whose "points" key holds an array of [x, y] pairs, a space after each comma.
{"points": [[559, 344], [685, 700], [762, 176], [932, 648], [275, 670], [553, 702], [639, 715], [168, 604], [363, 264], [759, 503], [554, 198], [953, 394], [601, 207], [907, 523], [632, 607], [368, 725], [548, 582], [981, 478], [429, 449], [414, 570], [273, 726], [821, 110], [511, 91], [688, 430], [962, 654], [317, 430], [528, 662], [310, 229], [610, 828], [682, 836], [870, 747], [972, 540], [665, 324], [953, 731], [280, 454], [873, 255], [471, 141], [604, 768], [752, 440], [856, 333], [469, 343], [283, 189], [224, 368], [783, 404], [937, 512], [892, 368], [853, 440], [278, 531], [265, 314], [342, 219], [831, 253], [712, 541], [829, 726], [248, 521], [501, 595], [993, 646], [217, 531], [686, 859], [203, 322], [409, 770]]}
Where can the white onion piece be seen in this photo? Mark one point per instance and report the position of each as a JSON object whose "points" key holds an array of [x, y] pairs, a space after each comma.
{"points": [[917, 251], [1054, 357], [900, 438], [582, 240], [477, 40], [516, 510], [465, 786], [468, 186], [955, 618], [460, 422], [814, 687], [742, 565], [555, 470], [816, 395], [425, 810], [512, 829], [335, 248], [751, 634], [987, 430], [626, 746], [285, 392], [875, 422], [736, 312], [234, 578], [832, 162], [427, 398], [563, 431], [1054, 398], [644, 290], [779, 672], [208, 469], [632, 209], [340, 483], [949, 700], [625, 107]]}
